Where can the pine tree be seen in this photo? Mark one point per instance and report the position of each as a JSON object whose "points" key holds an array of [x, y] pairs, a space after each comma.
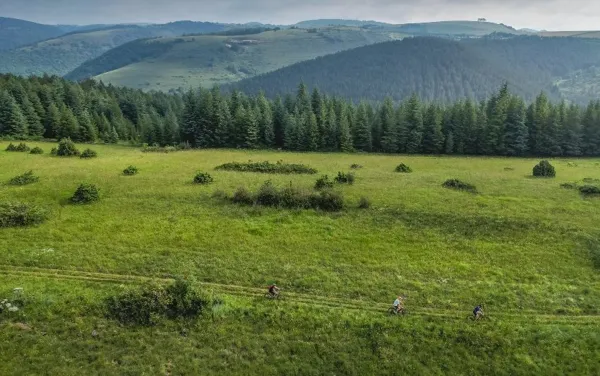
{"points": [[389, 134], [12, 121], [291, 132], [171, 129], [449, 148], [265, 122], [224, 123], [497, 112], [433, 137], [413, 125], [571, 134], [311, 132], [279, 126], [345, 138], [68, 126], [331, 129], [302, 100], [113, 136], [34, 123], [188, 119], [87, 131], [516, 131], [362, 130], [52, 121], [591, 130]]}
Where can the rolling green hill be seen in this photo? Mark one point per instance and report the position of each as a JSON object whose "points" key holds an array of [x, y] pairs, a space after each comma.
{"points": [[16, 33], [65, 53], [437, 69], [170, 63]]}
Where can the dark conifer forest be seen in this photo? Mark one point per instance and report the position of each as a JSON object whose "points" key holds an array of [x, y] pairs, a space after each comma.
{"points": [[306, 120]]}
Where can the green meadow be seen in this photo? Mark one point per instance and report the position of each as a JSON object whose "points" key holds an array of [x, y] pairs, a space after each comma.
{"points": [[526, 248]]}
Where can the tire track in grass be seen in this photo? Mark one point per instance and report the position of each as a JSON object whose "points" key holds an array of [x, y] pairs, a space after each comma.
{"points": [[307, 299]]}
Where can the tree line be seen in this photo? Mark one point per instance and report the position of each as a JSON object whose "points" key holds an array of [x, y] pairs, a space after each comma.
{"points": [[503, 124]]}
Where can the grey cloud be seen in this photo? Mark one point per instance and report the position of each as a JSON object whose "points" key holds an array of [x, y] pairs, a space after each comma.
{"points": [[547, 14]]}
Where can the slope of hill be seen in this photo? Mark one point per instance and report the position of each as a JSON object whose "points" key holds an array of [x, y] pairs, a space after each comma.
{"points": [[437, 69], [170, 63], [65, 53], [16, 33]]}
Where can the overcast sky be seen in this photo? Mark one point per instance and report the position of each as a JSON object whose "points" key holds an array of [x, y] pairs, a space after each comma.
{"points": [[537, 14]]}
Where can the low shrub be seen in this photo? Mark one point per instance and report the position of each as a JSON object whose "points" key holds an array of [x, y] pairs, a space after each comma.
{"points": [[364, 203], [131, 170], [589, 190], [24, 179], [85, 194], [203, 178], [158, 149], [323, 183], [37, 150], [88, 153], [290, 197], [54, 151], [544, 169], [569, 185], [267, 168], [242, 196], [20, 215], [509, 169], [342, 178], [67, 148], [403, 168], [356, 166], [144, 306], [459, 185], [591, 180], [19, 148]]}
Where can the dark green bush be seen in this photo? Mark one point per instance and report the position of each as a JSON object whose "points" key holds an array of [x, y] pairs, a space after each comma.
{"points": [[591, 180], [85, 194], [66, 148], [143, 306], [131, 170], [364, 203], [268, 195], [544, 169], [327, 200], [268, 168], [356, 166], [459, 185], [323, 183], [26, 178], [54, 151], [243, 196], [342, 178], [19, 148], [37, 150], [403, 168], [88, 153], [20, 215], [589, 190], [202, 178]]}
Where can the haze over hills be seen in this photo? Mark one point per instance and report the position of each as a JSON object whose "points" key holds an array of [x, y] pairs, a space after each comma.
{"points": [[439, 69], [16, 33]]}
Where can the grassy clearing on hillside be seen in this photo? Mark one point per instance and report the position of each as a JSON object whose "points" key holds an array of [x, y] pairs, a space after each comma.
{"points": [[525, 248]]}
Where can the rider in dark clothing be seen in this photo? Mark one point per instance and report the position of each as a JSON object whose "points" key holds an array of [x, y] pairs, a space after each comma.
{"points": [[273, 290], [477, 312]]}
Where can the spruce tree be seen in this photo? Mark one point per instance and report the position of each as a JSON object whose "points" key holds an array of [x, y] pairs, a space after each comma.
{"points": [[433, 137], [413, 125], [171, 129], [516, 131], [591, 129], [571, 133], [52, 121], [34, 123], [68, 126], [344, 135], [86, 131], [12, 121], [362, 130], [389, 134], [265, 122]]}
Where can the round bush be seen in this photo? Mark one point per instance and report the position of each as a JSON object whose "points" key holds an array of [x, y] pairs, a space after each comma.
{"points": [[203, 178], [544, 169], [342, 178], [403, 168], [323, 183], [88, 153], [20, 215], [131, 170], [243, 196], [589, 190], [85, 194], [26, 178], [268, 195], [37, 150], [66, 148]]}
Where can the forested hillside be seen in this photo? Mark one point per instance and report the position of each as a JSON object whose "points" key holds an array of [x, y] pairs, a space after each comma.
{"points": [[438, 69], [503, 125], [63, 54], [191, 61], [16, 33]]}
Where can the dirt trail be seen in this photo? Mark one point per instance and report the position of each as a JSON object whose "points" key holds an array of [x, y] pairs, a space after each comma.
{"points": [[308, 299]]}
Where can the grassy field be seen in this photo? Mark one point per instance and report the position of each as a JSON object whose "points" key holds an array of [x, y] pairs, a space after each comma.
{"points": [[209, 60], [526, 248]]}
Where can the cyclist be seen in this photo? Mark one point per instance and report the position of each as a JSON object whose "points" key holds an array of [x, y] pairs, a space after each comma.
{"points": [[477, 313], [398, 304], [273, 291]]}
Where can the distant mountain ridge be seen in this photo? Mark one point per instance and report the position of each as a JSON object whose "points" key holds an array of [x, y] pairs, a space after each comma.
{"points": [[15, 33]]}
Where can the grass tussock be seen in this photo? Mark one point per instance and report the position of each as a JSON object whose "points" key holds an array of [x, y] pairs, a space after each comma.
{"points": [[268, 168], [459, 186], [402, 168], [130, 171]]}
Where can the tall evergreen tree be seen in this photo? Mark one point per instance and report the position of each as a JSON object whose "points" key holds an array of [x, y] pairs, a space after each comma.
{"points": [[433, 137], [362, 130], [389, 133], [12, 121], [344, 135], [571, 133], [516, 131], [413, 125], [52, 121]]}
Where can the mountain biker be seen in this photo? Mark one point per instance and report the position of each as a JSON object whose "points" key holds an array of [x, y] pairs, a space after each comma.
{"points": [[273, 290], [398, 304], [477, 313]]}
